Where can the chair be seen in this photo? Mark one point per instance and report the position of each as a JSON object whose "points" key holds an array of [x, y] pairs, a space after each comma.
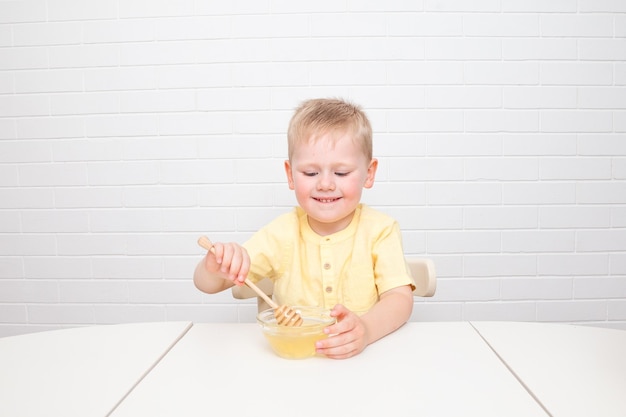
{"points": [[422, 270], [424, 275]]}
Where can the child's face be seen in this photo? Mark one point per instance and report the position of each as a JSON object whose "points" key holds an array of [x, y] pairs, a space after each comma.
{"points": [[328, 176]]}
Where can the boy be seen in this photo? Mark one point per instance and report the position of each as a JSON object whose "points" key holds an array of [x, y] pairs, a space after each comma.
{"points": [[331, 251]]}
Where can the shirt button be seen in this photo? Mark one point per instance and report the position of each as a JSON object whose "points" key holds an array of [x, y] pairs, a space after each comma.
{"points": [[326, 266], [329, 289]]}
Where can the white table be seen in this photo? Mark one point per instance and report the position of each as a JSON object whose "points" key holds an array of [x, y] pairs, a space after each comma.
{"points": [[423, 369], [79, 372], [572, 370]]}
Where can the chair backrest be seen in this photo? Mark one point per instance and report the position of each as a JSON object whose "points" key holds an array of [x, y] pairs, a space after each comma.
{"points": [[422, 270], [424, 275]]}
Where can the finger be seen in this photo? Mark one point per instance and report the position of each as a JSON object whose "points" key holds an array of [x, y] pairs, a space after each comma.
{"points": [[338, 352], [339, 311], [336, 340], [218, 250], [232, 262], [342, 355], [245, 268], [345, 323], [213, 258]]}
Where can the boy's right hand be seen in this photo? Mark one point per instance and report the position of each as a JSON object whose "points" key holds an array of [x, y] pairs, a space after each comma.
{"points": [[230, 260]]}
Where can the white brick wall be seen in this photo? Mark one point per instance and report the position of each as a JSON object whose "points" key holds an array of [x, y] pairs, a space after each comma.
{"points": [[128, 128]]}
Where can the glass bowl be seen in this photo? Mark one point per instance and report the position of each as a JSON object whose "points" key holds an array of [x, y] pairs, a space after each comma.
{"points": [[296, 342]]}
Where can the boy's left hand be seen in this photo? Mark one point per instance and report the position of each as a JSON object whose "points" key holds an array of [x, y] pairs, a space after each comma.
{"points": [[349, 335]]}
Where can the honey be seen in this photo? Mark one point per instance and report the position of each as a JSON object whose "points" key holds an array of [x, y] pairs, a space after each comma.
{"points": [[294, 346]]}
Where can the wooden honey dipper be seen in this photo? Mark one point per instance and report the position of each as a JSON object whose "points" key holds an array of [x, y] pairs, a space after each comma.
{"points": [[285, 315]]}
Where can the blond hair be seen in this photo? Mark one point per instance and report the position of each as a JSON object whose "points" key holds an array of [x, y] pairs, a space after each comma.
{"points": [[317, 117]]}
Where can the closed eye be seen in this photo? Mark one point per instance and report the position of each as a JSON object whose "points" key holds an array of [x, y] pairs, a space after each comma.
{"points": [[312, 174]]}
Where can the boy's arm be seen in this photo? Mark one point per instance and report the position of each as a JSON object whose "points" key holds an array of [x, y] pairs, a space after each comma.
{"points": [[392, 310], [351, 334]]}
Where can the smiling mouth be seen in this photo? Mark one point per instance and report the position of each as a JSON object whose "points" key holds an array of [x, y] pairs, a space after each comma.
{"points": [[326, 200]]}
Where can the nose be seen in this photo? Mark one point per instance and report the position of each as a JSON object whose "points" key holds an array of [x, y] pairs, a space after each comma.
{"points": [[325, 182]]}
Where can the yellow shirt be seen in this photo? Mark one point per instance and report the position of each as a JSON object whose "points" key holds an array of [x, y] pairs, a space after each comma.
{"points": [[352, 267]]}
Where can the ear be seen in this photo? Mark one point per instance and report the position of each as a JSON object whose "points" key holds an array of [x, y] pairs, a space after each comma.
{"points": [[289, 175], [371, 173]]}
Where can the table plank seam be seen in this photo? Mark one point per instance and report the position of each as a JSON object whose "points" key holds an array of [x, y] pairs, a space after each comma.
{"points": [[141, 378], [527, 388]]}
